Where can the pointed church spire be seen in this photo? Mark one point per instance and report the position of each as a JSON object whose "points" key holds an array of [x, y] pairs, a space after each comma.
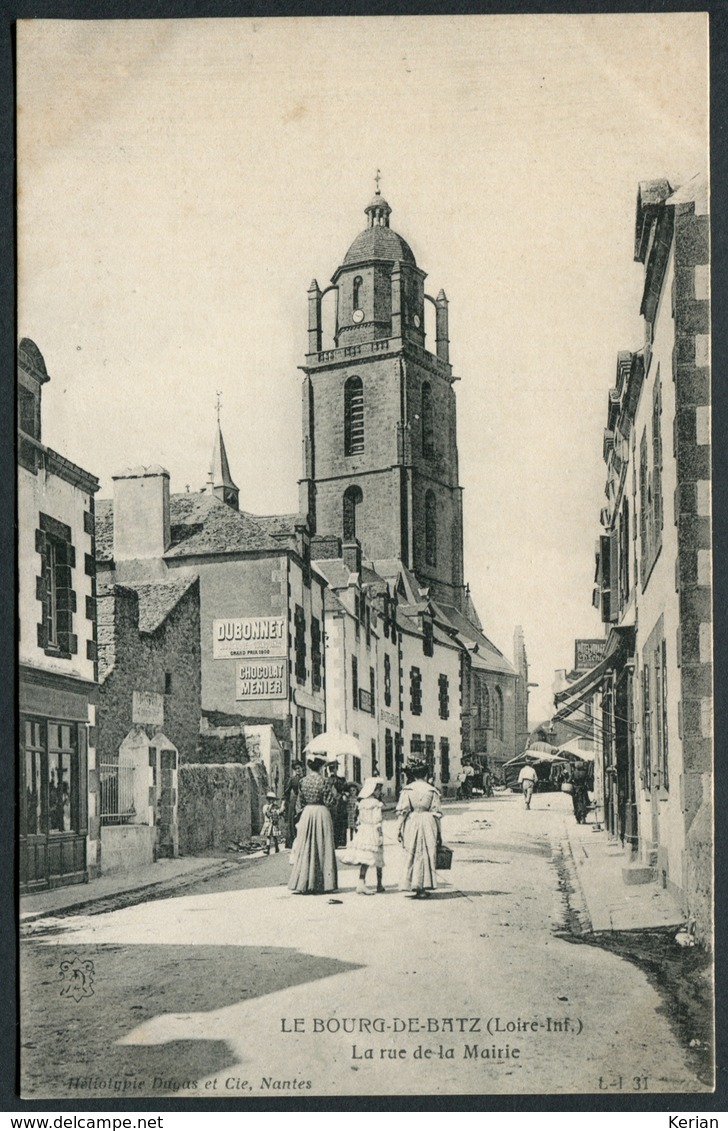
{"points": [[221, 481]]}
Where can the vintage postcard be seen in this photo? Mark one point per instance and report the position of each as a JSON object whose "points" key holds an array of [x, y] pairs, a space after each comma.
{"points": [[364, 479]]}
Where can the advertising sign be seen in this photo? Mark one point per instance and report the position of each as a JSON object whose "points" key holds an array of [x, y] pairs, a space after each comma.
{"points": [[147, 708], [262, 679], [588, 653], [248, 636]]}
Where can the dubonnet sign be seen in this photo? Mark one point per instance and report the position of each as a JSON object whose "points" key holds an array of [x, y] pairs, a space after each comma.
{"points": [[248, 636]]}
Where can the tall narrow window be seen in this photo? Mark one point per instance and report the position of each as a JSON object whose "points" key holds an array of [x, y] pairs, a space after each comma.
{"points": [[444, 760], [444, 696], [387, 682], [353, 417], [428, 431], [299, 620], [316, 653], [356, 292], [498, 713], [663, 712], [352, 501], [430, 528], [415, 691], [355, 682], [646, 729], [388, 754]]}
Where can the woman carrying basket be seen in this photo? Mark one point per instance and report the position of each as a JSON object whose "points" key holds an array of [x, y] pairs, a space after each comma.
{"points": [[419, 815]]}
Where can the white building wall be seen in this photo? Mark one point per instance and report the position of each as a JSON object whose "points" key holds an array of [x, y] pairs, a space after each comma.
{"points": [[661, 824], [47, 493]]}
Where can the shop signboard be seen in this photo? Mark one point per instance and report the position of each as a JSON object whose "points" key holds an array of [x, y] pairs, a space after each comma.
{"points": [[588, 653], [147, 708], [234, 637], [262, 679]]}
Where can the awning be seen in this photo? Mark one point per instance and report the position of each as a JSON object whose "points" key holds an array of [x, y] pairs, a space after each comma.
{"points": [[620, 645]]}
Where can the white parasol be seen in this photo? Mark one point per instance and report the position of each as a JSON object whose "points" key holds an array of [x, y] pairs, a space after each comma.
{"points": [[335, 744]]}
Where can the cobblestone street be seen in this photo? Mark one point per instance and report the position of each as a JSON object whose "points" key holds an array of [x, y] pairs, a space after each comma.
{"points": [[234, 988]]}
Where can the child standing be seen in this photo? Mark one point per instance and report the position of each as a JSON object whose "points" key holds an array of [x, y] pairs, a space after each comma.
{"points": [[352, 811], [367, 848], [271, 821]]}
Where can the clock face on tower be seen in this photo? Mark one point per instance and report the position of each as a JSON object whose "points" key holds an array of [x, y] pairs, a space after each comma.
{"points": [[358, 315]]}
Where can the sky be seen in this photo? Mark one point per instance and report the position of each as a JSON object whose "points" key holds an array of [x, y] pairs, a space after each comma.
{"points": [[181, 182]]}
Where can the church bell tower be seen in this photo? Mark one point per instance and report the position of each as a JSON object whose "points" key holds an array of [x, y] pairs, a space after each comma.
{"points": [[379, 415]]}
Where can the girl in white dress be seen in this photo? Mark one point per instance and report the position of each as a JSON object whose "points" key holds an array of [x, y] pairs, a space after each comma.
{"points": [[367, 848]]}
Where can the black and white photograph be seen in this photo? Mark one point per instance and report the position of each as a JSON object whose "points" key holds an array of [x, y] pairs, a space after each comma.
{"points": [[365, 617]]}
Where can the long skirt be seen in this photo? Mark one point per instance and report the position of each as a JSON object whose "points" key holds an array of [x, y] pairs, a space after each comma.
{"points": [[420, 845], [314, 866]]}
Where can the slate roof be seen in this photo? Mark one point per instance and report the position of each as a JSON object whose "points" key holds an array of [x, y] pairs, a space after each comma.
{"points": [[200, 524], [157, 599]]}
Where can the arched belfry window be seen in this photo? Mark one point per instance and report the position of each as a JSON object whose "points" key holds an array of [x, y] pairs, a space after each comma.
{"points": [[352, 501], [428, 431], [430, 528], [356, 292], [353, 416]]}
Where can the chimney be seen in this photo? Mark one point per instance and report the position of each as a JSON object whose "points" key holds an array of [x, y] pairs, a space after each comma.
{"points": [[141, 513], [351, 553]]}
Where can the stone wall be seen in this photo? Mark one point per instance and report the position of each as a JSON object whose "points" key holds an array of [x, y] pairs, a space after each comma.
{"points": [[219, 805], [133, 661]]}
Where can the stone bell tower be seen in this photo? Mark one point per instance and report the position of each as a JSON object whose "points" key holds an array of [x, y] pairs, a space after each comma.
{"points": [[379, 420]]}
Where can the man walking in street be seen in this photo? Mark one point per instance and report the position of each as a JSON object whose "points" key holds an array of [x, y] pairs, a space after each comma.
{"points": [[527, 780]]}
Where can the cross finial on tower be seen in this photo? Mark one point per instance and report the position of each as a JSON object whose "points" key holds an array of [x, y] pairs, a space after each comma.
{"points": [[217, 406], [378, 179]]}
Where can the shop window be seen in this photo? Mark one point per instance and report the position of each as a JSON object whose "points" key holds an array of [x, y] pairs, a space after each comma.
{"points": [[353, 416], [63, 778], [33, 810]]}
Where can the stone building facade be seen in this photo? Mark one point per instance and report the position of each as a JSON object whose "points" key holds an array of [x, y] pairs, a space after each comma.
{"points": [[58, 825], [654, 571], [149, 644], [260, 633]]}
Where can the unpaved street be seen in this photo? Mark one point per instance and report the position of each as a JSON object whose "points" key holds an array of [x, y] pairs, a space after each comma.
{"points": [[236, 988]]}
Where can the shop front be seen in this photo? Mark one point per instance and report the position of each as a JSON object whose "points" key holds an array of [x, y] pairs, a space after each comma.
{"points": [[53, 781]]}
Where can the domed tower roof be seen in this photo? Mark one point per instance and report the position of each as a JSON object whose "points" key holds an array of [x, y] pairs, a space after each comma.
{"points": [[378, 240]]}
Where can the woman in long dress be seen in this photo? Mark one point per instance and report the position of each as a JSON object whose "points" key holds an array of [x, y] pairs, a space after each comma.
{"points": [[419, 815], [367, 848], [314, 864]]}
